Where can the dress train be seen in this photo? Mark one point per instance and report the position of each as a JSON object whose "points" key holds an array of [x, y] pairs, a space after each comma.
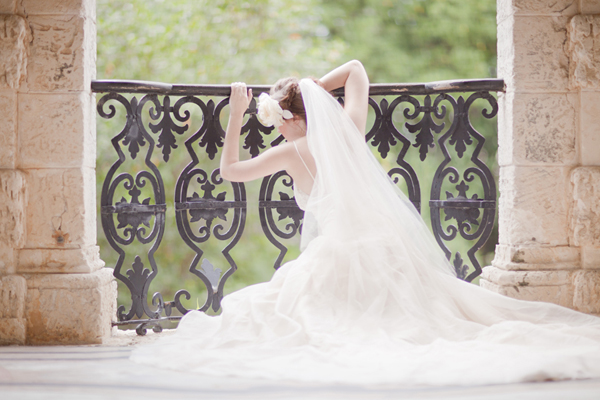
{"points": [[372, 300]]}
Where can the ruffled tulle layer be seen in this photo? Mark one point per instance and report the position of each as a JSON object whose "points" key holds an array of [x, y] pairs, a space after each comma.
{"points": [[332, 316]]}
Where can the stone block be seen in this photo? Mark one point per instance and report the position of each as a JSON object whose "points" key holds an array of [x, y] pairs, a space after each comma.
{"points": [[56, 131], [587, 291], [536, 258], [532, 55], [70, 308], [561, 295], [505, 45], [584, 51], [590, 127], [65, 7], [12, 331], [533, 206], [15, 37], [8, 6], [590, 257], [13, 289], [506, 8], [538, 128], [585, 214], [8, 259], [8, 129], [590, 7], [505, 129], [13, 202], [83, 260], [62, 208], [62, 54], [526, 278]]}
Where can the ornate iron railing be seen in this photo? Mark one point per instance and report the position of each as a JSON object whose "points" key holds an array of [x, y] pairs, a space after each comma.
{"points": [[428, 110]]}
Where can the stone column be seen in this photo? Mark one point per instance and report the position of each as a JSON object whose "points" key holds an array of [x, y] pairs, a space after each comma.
{"points": [[48, 176], [15, 38], [584, 230], [544, 134]]}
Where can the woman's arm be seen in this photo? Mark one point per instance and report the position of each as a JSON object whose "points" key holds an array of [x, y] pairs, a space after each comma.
{"points": [[267, 163], [353, 77]]}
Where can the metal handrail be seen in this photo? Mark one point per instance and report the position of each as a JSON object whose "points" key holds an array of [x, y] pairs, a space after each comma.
{"points": [[375, 89]]}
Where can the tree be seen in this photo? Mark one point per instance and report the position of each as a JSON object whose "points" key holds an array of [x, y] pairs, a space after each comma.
{"points": [[417, 40], [213, 41]]}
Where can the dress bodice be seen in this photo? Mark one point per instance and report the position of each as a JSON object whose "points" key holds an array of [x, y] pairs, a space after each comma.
{"points": [[301, 198]]}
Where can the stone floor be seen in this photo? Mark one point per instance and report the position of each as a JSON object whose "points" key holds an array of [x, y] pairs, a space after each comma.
{"points": [[105, 372]]}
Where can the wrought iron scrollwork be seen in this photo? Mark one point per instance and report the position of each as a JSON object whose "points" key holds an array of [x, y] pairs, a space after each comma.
{"points": [[472, 224], [285, 207], [384, 135], [133, 217], [211, 210], [203, 205]]}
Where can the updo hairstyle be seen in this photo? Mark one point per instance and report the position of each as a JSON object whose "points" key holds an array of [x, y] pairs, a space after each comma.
{"points": [[287, 92]]}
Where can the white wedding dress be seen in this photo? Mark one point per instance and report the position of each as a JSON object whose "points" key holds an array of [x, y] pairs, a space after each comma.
{"points": [[372, 299]]}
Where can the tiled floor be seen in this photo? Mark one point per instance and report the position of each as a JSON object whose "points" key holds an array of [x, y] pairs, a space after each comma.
{"points": [[105, 372]]}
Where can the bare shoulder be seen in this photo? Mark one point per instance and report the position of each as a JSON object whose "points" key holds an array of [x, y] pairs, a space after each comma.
{"points": [[306, 159], [301, 143]]}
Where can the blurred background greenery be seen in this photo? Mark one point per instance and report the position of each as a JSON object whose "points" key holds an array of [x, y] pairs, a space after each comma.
{"points": [[259, 41]]}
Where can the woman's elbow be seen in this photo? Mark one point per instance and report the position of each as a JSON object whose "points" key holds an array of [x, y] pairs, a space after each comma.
{"points": [[229, 174], [225, 172], [358, 72], [356, 64]]}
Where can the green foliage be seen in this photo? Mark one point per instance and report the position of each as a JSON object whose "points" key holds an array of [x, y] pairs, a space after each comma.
{"points": [[212, 41], [417, 40]]}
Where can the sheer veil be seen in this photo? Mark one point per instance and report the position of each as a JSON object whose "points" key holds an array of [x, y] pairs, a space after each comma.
{"points": [[353, 197]]}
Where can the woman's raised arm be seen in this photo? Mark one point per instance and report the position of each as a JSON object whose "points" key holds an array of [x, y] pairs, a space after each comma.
{"points": [[267, 163], [353, 77]]}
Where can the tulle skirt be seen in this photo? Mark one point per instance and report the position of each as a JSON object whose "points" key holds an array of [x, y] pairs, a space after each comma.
{"points": [[364, 312]]}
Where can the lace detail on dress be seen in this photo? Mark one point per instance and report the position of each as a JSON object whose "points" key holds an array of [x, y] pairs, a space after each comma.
{"points": [[301, 198]]}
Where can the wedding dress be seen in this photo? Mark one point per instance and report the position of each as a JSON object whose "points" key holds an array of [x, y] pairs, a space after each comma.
{"points": [[372, 299]]}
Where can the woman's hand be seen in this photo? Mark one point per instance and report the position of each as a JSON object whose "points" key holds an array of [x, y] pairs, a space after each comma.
{"points": [[239, 99], [267, 163]]}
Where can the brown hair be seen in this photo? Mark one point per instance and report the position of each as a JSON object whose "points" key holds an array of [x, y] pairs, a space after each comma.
{"points": [[287, 92]]}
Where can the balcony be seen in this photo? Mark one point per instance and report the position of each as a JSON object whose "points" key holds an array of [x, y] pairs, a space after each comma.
{"points": [[165, 183]]}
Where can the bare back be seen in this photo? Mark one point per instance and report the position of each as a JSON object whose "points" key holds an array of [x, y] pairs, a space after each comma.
{"points": [[302, 167]]}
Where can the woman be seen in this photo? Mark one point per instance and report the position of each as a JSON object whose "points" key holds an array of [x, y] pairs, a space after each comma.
{"points": [[371, 299]]}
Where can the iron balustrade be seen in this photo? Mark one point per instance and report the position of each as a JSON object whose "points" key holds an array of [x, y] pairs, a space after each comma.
{"points": [[427, 110]]}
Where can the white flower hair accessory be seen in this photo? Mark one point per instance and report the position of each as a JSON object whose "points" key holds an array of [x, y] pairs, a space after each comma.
{"points": [[270, 112]]}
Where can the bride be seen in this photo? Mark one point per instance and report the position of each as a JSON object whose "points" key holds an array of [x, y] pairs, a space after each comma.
{"points": [[371, 299]]}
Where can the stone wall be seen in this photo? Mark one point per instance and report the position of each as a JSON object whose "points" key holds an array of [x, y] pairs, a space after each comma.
{"points": [[53, 287], [549, 153]]}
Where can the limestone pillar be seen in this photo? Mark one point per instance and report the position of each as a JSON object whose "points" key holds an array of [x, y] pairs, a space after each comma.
{"points": [[53, 287], [549, 153]]}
